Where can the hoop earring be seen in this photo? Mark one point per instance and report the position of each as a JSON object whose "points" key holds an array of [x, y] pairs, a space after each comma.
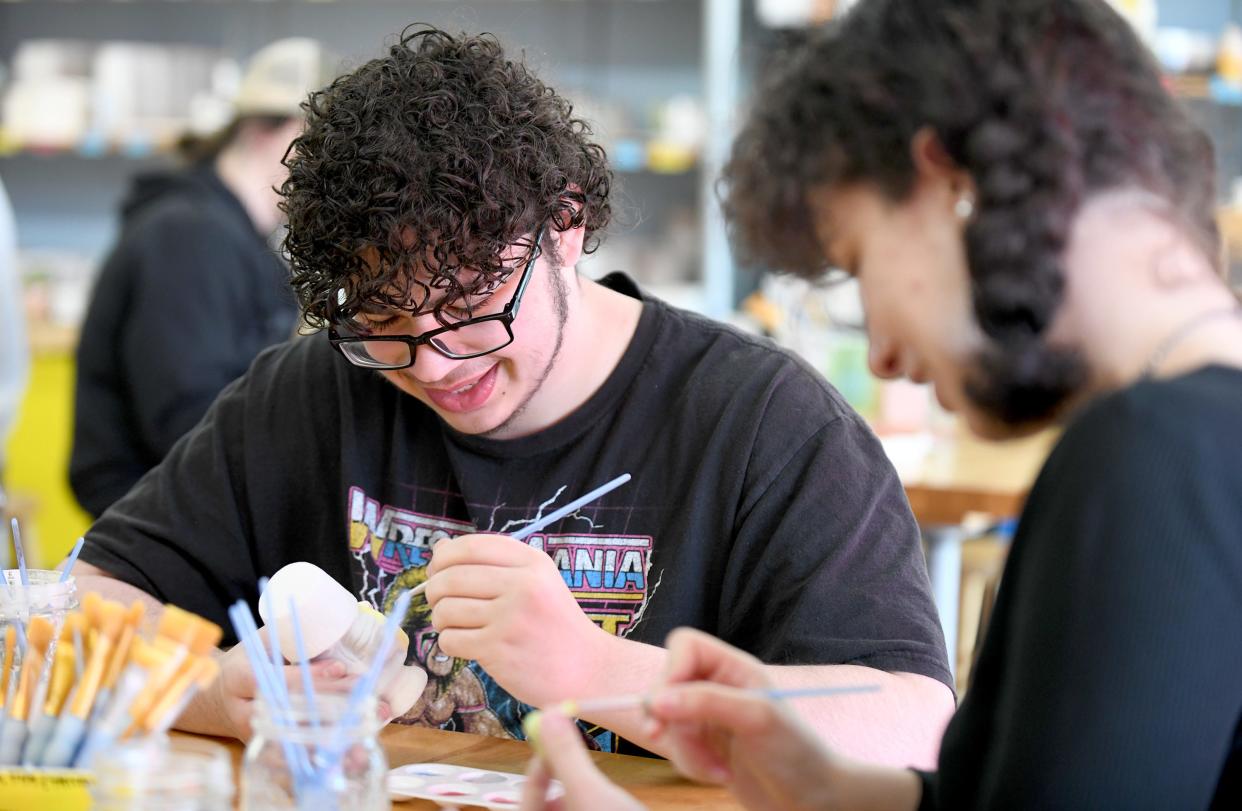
{"points": [[964, 208]]}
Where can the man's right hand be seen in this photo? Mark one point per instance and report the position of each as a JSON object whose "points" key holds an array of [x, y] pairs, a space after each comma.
{"points": [[230, 699], [225, 708]]}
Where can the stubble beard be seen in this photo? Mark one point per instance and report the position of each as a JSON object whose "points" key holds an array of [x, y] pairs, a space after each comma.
{"points": [[560, 301]]}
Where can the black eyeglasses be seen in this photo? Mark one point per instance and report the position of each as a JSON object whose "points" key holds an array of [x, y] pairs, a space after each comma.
{"points": [[471, 338]]}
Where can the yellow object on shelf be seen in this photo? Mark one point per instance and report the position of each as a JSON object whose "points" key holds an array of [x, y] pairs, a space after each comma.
{"points": [[670, 158], [1229, 57], [45, 789]]}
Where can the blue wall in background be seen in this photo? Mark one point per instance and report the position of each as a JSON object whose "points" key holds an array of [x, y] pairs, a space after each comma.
{"points": [[1202, 15]]}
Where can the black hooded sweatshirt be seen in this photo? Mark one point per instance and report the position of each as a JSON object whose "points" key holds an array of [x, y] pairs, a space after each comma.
{"points": [[189, 295]]}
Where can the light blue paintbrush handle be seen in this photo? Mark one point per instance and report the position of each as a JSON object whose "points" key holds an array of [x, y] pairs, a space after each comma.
{"points": [[556, 515], [64, 744], [66, 573], [36, 741], [12, 738]]}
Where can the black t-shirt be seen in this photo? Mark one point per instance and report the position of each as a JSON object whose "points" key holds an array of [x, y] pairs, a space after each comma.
{"points": [[762, 509], [185, 301], [1111, 675]]}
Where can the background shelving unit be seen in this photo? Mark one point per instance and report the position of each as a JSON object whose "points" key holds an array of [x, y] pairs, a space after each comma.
{"points": [[619, 60], [629, 55]]}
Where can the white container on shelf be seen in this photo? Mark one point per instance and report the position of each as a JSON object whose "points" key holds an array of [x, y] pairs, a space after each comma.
{"points": [[46, 113]]}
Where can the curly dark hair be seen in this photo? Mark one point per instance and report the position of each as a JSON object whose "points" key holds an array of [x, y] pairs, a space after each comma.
{"points": [[1043, 102], [435, 158]]}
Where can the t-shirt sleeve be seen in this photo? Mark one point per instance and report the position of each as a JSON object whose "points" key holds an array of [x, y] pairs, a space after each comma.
{"points": [[1115, 681], [827, 565], [181, 533]]}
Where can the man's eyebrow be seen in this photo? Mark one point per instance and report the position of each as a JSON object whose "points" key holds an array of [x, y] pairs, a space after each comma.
{"points": [[375, 308], [428, 304]]}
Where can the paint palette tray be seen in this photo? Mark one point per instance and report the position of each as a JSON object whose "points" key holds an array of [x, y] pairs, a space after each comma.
{"points": [[452, 786]]}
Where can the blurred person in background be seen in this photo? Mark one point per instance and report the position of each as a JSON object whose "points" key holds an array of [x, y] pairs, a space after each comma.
{"points": [[194, 288], [14, 362], [1030, 216]]}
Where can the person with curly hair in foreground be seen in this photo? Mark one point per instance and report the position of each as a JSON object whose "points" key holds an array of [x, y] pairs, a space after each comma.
{"points": [[1029, 215], [466, 381]]}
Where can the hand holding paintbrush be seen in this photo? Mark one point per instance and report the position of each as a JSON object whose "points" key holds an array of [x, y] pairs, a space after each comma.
{"points": [[717, 719], [510, 607]]}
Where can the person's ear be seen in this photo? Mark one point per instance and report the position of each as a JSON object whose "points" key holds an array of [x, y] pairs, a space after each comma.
{"points": [[568, 244], [937, 173], [569, 241]]}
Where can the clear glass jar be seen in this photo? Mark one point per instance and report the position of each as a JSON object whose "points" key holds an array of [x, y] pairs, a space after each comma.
{"points": [[46, 597], [299, 758], [163, 774]]}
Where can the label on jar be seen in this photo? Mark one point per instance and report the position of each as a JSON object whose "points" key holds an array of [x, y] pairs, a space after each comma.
{"points": [[45, 789]]}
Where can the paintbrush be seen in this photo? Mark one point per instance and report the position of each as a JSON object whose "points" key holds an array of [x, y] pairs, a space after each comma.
{"points": [[552, 517], [72, 559], [10, 649], [118, 657], [72, 724], [13, 737], [639, 701], [60, 680]]}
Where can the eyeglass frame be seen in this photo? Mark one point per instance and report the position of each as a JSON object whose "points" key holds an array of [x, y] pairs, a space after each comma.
{"points": [[506, 316]]}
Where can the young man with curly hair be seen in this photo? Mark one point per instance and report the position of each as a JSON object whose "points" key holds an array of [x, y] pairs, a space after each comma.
{"points": [[467, 381]]}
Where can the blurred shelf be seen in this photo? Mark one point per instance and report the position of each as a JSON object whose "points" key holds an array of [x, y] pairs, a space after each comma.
{"points": [[132, 3], [67, 152], [626, 157], [656, 157], [132, 146], [622, 61], [1199, 87]]}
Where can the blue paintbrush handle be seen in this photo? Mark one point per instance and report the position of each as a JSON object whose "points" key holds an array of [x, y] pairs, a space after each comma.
{"points": [[552, 517], [72, 559]]}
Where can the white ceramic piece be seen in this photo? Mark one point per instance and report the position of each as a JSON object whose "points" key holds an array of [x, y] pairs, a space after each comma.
{"points": [[325, 608]]}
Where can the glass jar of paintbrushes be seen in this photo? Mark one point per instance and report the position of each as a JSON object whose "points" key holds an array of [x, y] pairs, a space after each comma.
{"points": [[312, 750], [34, 605], [157, 773], [45, 593], [30, 593], [315, 751], [82, 684]]}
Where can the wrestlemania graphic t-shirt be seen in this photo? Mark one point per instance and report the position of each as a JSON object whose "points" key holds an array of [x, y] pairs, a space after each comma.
{"points": [[762, 509], [606, 572]]}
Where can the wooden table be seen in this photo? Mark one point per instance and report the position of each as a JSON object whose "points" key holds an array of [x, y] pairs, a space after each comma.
{"points": [[654, 782], [947, 479]]}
